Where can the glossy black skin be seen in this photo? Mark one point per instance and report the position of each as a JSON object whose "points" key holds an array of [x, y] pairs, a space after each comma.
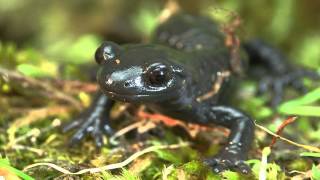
{"points": [[182, 61]]}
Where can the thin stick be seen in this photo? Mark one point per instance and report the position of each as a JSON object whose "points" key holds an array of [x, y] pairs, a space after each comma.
{"points": [[43, 89], [110, 166], [281, 128], [310, 148], [124, 130], [221, 76], [35, 150]]}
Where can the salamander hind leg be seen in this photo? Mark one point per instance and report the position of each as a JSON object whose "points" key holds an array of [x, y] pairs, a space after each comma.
{"points": [[275, 71], [233, 155]]}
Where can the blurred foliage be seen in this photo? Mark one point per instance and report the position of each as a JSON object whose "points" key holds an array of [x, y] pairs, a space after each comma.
{"points": [[74, 51], [302, 106], [11, 171], [315, 172], [57, 39]]}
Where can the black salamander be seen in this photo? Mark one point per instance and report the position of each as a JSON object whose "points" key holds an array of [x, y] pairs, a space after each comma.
{"points": [[173, 73]]}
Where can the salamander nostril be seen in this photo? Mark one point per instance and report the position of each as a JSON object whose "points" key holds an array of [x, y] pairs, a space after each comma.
{"points": [[126, 84]]}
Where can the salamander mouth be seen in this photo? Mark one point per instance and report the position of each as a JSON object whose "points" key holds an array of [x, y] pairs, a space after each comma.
{"points": [[128, 97], [139, 97]]}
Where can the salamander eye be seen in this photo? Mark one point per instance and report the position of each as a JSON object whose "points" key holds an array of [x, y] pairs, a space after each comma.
{"points": [[158, 74], [108, 51]]}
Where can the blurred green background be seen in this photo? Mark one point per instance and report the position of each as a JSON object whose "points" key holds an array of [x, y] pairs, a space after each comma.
{"points": [[70, 30], [54, 40]]}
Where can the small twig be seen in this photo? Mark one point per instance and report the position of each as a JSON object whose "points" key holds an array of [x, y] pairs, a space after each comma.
{"points": [[13, 141], [125, 130], [298, 172], [110, 166], [191, 128], [44, 89], [165, 119], [310, 148], [221, 76], [39, 152], [232, 41], [281, 128], [302, 175]]}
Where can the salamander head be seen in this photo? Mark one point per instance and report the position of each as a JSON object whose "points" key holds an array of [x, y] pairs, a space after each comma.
{"points": [[138, 73]]}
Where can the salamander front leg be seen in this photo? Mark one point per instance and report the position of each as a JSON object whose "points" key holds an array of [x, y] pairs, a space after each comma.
{"points": [[94, 121], [233, 155]]}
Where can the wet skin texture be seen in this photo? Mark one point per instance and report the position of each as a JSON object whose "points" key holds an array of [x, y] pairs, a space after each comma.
{"points": [[185, 57]]}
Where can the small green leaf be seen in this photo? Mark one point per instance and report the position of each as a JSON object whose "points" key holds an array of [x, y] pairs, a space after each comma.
{"points": [[42, 70], [127, 175], [256, 164], [193, 167], [230, 175], [169, 156], [300, 106], [306, 99], [4, 163], [310, 154], [301, 110], [315, 172], [273, 171]]}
